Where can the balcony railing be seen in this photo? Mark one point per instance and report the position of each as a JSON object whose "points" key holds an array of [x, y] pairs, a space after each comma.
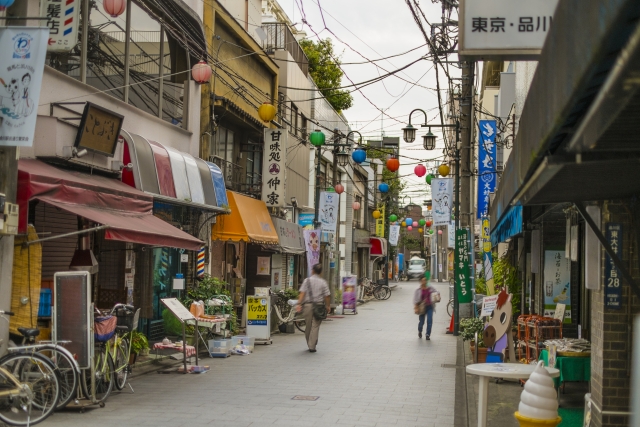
{"points": [[279, 36], [236, 180]]}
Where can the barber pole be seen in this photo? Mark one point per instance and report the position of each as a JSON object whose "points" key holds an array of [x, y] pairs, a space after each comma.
{"points": [[200, 267]]}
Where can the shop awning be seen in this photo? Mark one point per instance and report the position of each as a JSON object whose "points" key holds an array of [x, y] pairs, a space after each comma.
{"points": [[290, 236], [378, 246], [127, 211], [510, 225], [249, 221]]}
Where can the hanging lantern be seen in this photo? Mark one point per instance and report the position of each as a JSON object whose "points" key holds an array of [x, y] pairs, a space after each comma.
{"points": [[4, 4], [420, 170], [316, 138], [422, 222], [444, 169], [201, 72], [393, 164], [339, 188], [404, 224], [430, 231], [376, 214], [420, 230], [409, 228], [383, 187], [428, 179], [393, 217], [359, 155], [409, 133], [114, 8], [409, 221], [330, 190], [440, 232], [427, 223], [429, 141], [266, 112], [355, 206]]}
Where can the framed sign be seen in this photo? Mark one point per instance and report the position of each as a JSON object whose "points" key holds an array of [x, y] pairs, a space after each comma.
{"points": [[612, 276], [99, 130]]}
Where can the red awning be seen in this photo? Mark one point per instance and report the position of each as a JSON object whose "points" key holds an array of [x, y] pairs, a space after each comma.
{"points": [[378, 246], [128, 212]]}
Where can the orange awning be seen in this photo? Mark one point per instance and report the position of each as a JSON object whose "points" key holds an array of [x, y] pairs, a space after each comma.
{"points": [[249, 221]]}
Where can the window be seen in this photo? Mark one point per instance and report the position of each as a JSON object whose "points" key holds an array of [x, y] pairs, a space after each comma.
{"points": [[303, 127], [294, 119], [253, 167], [223, 146]]}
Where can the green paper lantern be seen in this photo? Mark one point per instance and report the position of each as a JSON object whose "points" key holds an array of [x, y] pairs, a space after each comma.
{"points": [[428, 179], [393, 218], [422, 221], [317, 138], [331, 190], [430, 231]]}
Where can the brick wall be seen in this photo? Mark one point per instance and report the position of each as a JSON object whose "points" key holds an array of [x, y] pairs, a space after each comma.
{"points": [[611, 332]]}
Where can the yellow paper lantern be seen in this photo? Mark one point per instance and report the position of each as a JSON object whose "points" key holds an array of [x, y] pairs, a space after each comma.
{"points": [[429, 207], [266, 112], [376, 214], [404, 224], [420, 230], [444, 169]]}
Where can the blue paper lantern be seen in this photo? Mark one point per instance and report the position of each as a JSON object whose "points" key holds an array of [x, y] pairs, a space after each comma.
{"points": [[384, 187], [359, 155], [4, 4], [409, 221]]}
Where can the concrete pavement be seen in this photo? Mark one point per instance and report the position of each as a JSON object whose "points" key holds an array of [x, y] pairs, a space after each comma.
{"points": [[370, 370]]}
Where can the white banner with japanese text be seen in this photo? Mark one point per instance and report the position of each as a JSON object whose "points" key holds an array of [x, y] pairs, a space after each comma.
{"points": [[328, 212], [394, 232], [22, 55], [62, 20], [442, 200], [273, 167]]}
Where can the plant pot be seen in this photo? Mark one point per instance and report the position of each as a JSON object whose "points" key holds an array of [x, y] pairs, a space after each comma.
{"points": [[144, 352], [132, 358], [482, 355], [191, 340]]}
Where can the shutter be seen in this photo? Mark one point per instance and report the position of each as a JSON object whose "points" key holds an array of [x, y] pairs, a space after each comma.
{"points": [[57, 253]]}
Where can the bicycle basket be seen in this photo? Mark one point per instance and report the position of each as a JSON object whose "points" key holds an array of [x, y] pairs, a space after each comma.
{"points": [[104, 328], [125, 318]]}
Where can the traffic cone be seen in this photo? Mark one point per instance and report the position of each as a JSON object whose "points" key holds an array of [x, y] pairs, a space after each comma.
{"points": [[450, 330]]}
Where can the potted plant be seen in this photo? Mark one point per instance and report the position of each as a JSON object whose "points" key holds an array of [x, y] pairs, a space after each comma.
{"points": [[468, 330], [139, 345]]}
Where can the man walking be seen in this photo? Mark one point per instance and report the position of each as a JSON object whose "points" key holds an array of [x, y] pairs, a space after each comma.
{"points": [[314, 290]]}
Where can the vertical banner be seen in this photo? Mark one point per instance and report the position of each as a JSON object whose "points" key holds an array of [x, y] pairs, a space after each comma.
{"points": [[394, 232], [62, 21], [22, 55], [442, 200], [273, 167], [312, 245], [557, 279], [487, 257], [613, 284], [462, 271], [380, 222], [451, 235], [328, 211], [486, 164]]}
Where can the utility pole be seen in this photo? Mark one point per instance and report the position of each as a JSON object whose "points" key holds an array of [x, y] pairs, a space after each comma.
{"points": [[466, 122], [336, 259]]}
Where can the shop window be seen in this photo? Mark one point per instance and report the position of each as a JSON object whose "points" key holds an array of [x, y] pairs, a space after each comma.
{"points": [[165, 265]]}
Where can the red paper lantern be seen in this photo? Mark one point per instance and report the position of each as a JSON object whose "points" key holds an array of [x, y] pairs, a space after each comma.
{"points": [[355, 206], [409, 228], [393, 164], [339, 188], [428, 223], [114, 8], [440, 232], [420, 170], [201, 72]]}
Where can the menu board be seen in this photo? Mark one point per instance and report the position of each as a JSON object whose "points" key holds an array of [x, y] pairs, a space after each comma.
{"points": [[176, 307]]}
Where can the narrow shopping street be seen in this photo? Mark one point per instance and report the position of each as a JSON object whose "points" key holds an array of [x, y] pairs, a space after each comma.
{"points": [[370, 370]]}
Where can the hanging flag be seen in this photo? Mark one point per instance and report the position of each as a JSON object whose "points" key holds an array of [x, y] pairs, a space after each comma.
{"points": [[394, 232], [442, 200], [487, 258], [328, 211], [312, 245], [486, 164]]}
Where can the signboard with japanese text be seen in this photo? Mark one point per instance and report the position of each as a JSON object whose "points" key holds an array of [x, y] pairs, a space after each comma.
{"points": [[504, 29], [258, 316], [274, 165], [306, 219], [99, 130], [557, 283], [451, 234], [462, 270], [612, 277], [380, 223], [22, 55], [442, 200], [487, 257], [394, 233], [328, 211], [486, 164], [62, 21], [488, 305]]}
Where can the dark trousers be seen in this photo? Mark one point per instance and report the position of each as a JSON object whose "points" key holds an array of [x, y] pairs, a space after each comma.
{"points": [[429, 315]]}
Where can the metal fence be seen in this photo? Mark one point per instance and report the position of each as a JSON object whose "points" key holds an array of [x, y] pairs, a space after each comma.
{"points": [[280, 37]]}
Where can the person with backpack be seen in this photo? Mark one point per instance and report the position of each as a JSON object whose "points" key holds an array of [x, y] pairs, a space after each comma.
{"points": [[424, 300]]}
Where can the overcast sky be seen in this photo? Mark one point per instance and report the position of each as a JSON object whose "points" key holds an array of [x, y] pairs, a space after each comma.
{"points": [[376, 29]]}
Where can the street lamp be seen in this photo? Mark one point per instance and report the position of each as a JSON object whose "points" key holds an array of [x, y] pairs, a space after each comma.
{"points": [[429, 141], [409, 132]]}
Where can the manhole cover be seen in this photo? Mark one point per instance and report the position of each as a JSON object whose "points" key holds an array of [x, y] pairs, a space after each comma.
{"points": [[448, 365], [305, 398]]}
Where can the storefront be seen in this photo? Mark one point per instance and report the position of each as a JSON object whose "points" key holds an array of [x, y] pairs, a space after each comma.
{"points": [[293, 265], [377, 253]]}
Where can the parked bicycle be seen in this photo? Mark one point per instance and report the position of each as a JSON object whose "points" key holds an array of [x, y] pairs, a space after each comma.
{"points": [[29, 388], [281, 305], [376, 290]]}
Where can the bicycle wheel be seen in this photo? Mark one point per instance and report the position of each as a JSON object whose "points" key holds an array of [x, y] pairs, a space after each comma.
{"points": [[379, 292], [68, 376], [450, 308], [122, 364], [36, 397], [388, 294], [300, 323], [103, 374]]}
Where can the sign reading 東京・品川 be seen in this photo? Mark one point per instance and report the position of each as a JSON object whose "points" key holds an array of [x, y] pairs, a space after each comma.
{"points": [[273, 167]]}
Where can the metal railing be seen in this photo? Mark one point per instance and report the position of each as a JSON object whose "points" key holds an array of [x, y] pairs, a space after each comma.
{"points": [[236, 179], [279, 36]]}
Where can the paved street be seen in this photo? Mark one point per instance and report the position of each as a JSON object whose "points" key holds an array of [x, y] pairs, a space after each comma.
{"points": [[370, 370]]}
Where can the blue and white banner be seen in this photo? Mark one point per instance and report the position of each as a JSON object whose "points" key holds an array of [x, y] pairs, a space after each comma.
{"points": [[486, 164]]}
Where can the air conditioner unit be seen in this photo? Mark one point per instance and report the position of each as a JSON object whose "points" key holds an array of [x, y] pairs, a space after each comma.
{"points": [[378, 275]]}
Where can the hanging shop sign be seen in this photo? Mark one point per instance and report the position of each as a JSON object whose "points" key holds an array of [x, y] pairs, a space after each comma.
{"points": [[442, 196], [99, 130], [557, 283], [462, 270], [613, 283], [62, 21], [22, 55], [312, 245], [394, 232], [306, 219], [264, 266], [504, 29], [451, 234], [328, 211], [380, 222], [487, 257], [486, 164], [273, 167]]}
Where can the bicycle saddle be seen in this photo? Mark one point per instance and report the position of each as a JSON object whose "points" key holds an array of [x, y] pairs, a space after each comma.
{"points": [[28, 332], [121, 328]]}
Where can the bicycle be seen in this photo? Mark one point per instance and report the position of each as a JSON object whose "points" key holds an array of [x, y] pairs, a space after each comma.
{"points": [[292, 315], [29, 388], [121, 351], [103, 366], [378, 291]]}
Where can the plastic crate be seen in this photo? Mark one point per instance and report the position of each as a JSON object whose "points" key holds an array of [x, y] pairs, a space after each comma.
{"points": [[249, 342], [44, 309], [220, 346]]}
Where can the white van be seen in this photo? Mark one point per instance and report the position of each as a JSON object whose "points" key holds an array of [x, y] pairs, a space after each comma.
{"points": [[417, 267]]}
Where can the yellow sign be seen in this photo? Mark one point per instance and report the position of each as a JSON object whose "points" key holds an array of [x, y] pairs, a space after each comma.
{"points": [[486, 235], [256, 311], [380, 223]]}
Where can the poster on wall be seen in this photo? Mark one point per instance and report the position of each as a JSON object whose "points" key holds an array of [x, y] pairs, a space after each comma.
{"points": [[264, 266], [312, 245], [22, 55], [612, 279], [328, 211], [273, 167], [442, 194], [557, 283]]}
